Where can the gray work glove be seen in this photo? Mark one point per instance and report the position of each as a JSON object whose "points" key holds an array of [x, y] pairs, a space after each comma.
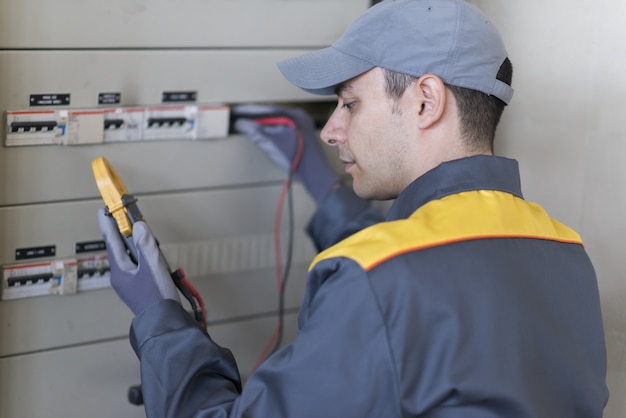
{"points": [[142, 284], [280, 143]]}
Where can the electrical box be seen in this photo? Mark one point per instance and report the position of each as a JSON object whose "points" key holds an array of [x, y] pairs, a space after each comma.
{"points": [[149, 85]]}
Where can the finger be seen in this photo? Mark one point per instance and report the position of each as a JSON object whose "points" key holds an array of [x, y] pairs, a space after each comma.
{"points": [[116, 249], [255, 133], [148, 248], [246, 126], [145, 242], [150, 254]]}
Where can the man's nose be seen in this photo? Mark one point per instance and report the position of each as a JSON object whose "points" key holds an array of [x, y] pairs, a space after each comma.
{"points": [[334, 131]]}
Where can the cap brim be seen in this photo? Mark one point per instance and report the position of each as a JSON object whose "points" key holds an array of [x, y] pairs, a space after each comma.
{"points": [[320, 71]]}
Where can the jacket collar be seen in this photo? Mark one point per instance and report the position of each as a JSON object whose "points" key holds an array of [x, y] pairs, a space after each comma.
{"points": [[480, 172]]}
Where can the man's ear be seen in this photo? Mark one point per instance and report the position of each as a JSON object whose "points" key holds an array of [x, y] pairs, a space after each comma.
{"points": [[432, 99]]}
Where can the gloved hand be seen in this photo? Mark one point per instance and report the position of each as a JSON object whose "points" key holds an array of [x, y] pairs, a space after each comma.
{"points": [[142, 284], [280, 143]]}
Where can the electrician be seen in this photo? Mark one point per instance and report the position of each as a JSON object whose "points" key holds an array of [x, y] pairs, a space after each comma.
{"points": [[465, 301]]}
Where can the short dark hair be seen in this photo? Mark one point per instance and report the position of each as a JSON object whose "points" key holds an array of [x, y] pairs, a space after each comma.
{"points": [[480, 113]]}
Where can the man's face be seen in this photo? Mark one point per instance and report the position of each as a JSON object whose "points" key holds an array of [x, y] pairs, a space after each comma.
{"points": [[374, 135]]}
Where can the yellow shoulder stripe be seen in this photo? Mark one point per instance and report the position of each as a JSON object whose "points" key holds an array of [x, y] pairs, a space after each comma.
{"points": [[460, 217]]}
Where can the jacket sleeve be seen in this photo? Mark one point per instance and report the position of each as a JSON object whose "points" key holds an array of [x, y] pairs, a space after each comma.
{"points": [[340, 215], [182, 369], [328, 371]]}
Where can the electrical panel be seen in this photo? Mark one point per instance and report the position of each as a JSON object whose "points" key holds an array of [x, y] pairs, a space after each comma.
{"points": [[149, 85]]}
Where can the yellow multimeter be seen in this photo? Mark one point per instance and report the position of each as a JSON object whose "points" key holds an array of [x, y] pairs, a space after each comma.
{"points": [[120, 205]]}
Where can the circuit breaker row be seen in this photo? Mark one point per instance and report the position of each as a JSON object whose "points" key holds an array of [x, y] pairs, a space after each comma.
{"points": [[55, 277], [110, 125]]}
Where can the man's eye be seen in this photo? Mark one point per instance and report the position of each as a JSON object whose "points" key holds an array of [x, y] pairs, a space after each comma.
{"points": [[348, 106]]}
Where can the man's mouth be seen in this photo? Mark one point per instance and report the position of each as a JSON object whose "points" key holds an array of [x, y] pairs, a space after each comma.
{"points": [[348, 164]]}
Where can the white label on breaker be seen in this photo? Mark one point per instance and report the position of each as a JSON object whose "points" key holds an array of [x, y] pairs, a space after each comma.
{"points": [[85, 127]]}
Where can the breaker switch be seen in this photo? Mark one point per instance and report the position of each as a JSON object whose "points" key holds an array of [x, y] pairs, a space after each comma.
{"points": [[113, 123], [32, 279], [162, 122], [35, 126]]}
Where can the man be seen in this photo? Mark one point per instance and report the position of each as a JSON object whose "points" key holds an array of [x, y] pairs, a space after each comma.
{"points": [[467, 301]]}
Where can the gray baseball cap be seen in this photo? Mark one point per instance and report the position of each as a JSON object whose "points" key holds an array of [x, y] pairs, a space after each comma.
{"points": [[449, 38]]}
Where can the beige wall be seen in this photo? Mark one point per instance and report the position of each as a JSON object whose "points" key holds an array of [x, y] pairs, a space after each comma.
{"points": [[567, 127]]}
